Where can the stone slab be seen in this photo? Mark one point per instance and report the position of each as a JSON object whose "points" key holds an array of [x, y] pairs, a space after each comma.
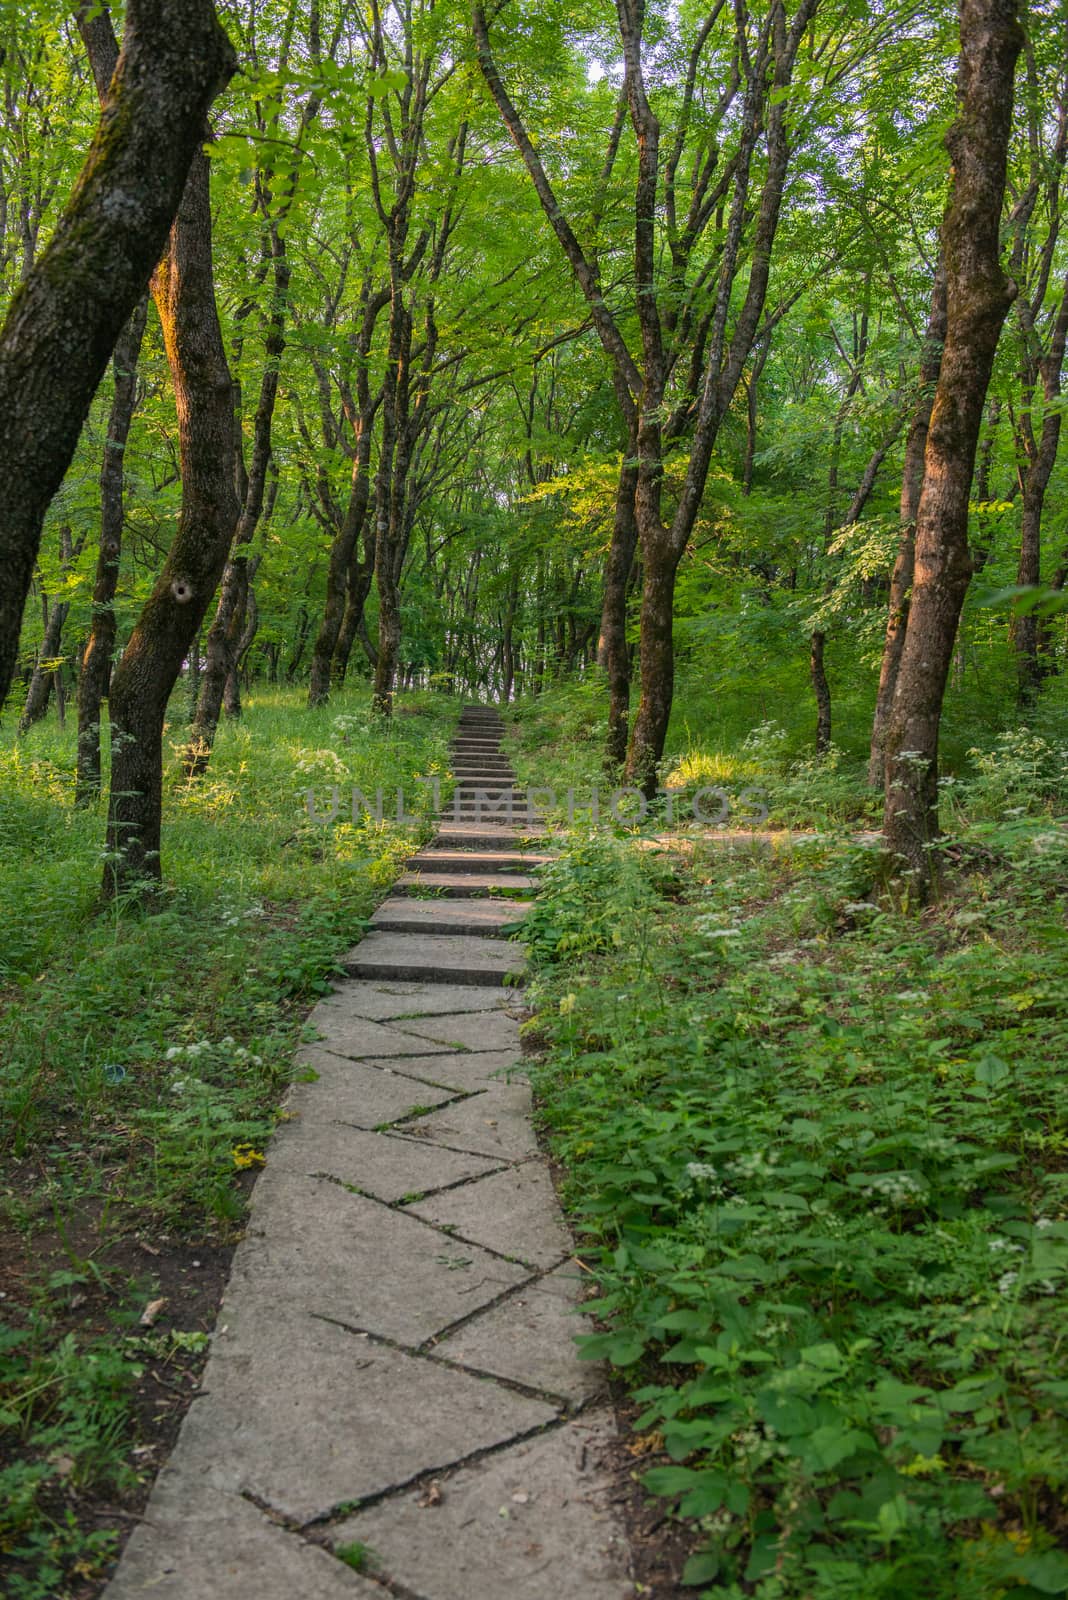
{"points": [[514, 1212], [463, 884], [310, 1417], [385, 1166], [432, 860], [471, 1070], [529, 1339], [314, 1249], [488, 1030], [401, 914], [472, 835], [357, 997], [494, 1123], [198, 1542], [436, 958], [531, 1523], [356, 1092], [347, 1035]]}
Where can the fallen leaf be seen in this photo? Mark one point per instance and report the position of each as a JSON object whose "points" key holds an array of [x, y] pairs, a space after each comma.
{"points": [[152, 1311]]}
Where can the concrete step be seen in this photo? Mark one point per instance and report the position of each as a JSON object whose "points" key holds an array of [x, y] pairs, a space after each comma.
{"points": [[517, 815], [455, 915], [433, 860], [494, 785], [489, 836], [434, 958], [482, 772], [464, 885]]}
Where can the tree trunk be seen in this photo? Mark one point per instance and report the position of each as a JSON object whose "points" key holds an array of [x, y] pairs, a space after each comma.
{"points": [[978, 296], [507, 638], [169, 623], [69, 311], [357, 588], [41, 683], [46, 674], [911, 484], [612, 645], [821, 689], [657, 666], [1040, 458], [96, 661], [228, 626]]}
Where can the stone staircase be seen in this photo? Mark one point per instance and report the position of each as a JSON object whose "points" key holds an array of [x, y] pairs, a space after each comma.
{"points": [[444, 921]]}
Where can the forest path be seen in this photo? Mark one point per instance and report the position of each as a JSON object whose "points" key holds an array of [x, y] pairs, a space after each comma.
{"points": [[393, 1403]]}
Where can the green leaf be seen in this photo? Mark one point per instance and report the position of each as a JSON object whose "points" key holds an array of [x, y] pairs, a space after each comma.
{"points": [[991, 1070], [701, 1568]]}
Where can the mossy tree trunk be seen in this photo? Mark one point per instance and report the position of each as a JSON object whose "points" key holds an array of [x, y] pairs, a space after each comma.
{"points": [[95, 676], [978, 296], [67, 315]]}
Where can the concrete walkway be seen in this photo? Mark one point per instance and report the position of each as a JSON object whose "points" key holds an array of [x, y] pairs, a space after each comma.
{"points": [[393, 1404]]}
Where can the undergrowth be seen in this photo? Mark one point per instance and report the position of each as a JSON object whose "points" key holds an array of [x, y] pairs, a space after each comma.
{"points": [[816, 1151], [144, 1053]]}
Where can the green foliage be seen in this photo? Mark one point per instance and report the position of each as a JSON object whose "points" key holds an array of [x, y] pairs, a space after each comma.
{"points": [[144, 1054], [815, 1151]]}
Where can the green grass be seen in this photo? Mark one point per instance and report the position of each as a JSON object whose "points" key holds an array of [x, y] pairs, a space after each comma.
{"points": [[817, 1152], [144, 1054]]}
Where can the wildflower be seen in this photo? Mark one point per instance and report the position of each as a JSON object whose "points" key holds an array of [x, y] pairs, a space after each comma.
{"points": [[1006, 1282], [245, 1156], [567, 1005], [699, 1170], [174, 1052]]}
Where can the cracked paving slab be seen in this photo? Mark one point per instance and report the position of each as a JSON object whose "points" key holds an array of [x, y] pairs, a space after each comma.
{"points": [[484, 1031], [387, 1166], [529, 1523], [358, 1038], [201, 1542], [527, 1338], [463, 1072], [513, 1212], [315, 1246], [381, 1002], [313, 1416], [358, 1092], [494, 1123]]}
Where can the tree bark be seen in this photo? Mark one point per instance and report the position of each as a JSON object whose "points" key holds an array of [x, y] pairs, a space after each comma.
{"points": [[43, 679], [68, 313], [612, 645], [228, 624], [911, 485], [96, 660], [169, 623], [978, 296], [1039, 459]]}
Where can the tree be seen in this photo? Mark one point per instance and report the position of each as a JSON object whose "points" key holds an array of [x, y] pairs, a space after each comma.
{"points": [[680, 388], [978, 296], [68, 312], [183, 289]]}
